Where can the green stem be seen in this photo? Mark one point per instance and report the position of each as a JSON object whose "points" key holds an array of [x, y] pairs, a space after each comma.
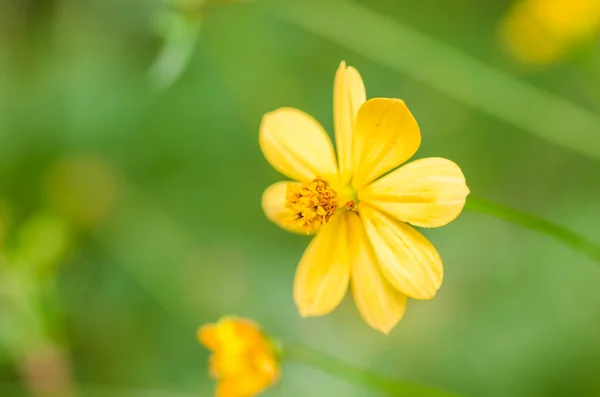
{"points": [[357, 375], [576, 241]]}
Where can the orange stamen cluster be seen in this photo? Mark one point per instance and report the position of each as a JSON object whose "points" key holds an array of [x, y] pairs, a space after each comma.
{"points": [[311, 204], [350, 205]]}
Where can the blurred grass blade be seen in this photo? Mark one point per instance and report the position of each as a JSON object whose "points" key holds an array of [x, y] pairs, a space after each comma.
{"points": [[357, 375], [457, 74], [563, 235]]}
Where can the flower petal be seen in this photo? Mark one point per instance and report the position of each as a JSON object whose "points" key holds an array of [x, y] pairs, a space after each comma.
{"points": [[207, 335], [242, 385], [324, 270], [297, 146], [273, 203], [430, 192], [385, 136], [348, 94], [407, 259], [378, 302]]}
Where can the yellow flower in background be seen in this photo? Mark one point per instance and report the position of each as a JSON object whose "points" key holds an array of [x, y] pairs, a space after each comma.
{"points": [[244, 361], [542, 31], [358, 210]]}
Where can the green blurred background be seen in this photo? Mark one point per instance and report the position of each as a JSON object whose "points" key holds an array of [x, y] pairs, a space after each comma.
{"points": [[131, 179]]}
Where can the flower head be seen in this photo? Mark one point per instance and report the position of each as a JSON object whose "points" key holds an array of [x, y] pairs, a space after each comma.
{"points": [[358, 209], [244, 361], [542, 31]]}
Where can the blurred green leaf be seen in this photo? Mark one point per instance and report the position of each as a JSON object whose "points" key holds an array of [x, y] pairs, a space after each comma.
{"points": [[42, 242]]}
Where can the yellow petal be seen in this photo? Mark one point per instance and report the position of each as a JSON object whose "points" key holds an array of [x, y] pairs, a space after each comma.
{"points": [[324, 270], [385, 136], [379, 304], [207, 335], [223, 364], [407, 259], [244, 385], [348, 94], [429, 192], [297, 146], [273, 203]]}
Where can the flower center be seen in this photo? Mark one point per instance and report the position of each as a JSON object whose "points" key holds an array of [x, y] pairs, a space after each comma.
{"points": [[350, 205], [311, 204]]}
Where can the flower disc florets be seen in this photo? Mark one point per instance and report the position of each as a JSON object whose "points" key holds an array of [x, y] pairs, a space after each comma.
{"points": [[310, 204]]}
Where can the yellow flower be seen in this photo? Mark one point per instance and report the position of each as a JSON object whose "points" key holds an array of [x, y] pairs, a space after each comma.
{"points": [[542, 31], [359, 210], [244, 361]]}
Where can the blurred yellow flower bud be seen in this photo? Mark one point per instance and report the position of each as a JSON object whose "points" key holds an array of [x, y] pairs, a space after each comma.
{"points": [[244, 361], [543, 31]]}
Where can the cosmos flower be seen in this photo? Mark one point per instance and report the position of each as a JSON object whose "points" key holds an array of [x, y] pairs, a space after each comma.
{"points": [[358, 210], [542, 31], [244, 361]]}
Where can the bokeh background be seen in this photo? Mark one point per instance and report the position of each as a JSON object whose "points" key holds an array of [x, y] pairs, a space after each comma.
{"points": [[131, 178]]}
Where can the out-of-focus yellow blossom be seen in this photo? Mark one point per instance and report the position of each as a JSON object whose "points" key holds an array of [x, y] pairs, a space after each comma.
{"points": [[542, 31], [358, 210], [244, 361]]}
